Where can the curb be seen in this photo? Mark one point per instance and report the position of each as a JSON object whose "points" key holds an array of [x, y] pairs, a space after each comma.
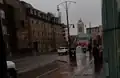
{"points": [[62, 61]]}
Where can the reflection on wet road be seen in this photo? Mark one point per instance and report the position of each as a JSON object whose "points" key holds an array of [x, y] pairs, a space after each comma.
{"points": [[65, 70], [61, 68]]}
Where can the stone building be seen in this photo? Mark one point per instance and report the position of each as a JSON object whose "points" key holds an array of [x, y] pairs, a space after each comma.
{"points": [[30, 29], [60, 35], [45, 31], [13, 23]]}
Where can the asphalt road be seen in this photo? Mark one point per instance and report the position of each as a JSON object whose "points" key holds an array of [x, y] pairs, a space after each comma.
{"points": [[59, 67], [63, 71]]}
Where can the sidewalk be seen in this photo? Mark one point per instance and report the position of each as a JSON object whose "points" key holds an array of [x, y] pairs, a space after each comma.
{"points": [[88, 72], [32, 62]]}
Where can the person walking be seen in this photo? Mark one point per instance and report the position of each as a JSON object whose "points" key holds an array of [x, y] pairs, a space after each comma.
{"points": [[101, 56], [90, 50], [96, 56]]}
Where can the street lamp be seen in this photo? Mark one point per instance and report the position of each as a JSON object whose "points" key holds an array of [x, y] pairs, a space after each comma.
{"points": [[67, 18]]}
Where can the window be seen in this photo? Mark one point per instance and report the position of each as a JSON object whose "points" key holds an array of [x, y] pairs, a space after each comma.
{"points": [[80, 29], [39, 14], [98, 29], [48, 18], [22, 23], [43, 16], [32, 21], [95, 29], [31, 11], [92, 30], [2, 14], [35, 12], [42, 33]]}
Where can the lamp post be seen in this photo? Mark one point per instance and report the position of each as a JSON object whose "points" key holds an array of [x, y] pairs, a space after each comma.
{"points": [[67, 18]]}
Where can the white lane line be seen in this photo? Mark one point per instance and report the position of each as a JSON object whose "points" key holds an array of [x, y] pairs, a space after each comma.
{"points": [[47, 72]]}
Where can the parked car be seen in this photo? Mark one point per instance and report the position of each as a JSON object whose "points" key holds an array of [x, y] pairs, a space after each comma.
{"points": [[62, 51], [11, 68]]}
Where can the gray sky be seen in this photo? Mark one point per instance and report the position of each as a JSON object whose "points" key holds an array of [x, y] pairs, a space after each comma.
{"points": [[87, 10]]}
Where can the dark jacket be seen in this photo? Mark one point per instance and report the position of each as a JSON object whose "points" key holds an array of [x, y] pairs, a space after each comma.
{"points": [[96, 52]]}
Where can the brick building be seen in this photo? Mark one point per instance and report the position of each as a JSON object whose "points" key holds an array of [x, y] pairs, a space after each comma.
{"points": [[13, 23], [98, 30], [30, 29], [60, 35], [45, 31]]}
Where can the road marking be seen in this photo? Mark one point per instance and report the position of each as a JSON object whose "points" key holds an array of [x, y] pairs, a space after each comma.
{"points": [[47, 72]]}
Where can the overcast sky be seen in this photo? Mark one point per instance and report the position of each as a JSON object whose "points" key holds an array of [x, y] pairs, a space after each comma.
{"points": [[87, 10]]}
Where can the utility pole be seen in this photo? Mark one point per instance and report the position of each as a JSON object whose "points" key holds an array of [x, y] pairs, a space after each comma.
{"points": [[90, 27], [90, 33], [71, 56], [90, 42]]}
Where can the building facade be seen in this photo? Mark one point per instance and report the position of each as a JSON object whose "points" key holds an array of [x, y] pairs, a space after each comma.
{"points": [[80, 26], [13, 23], [94, 31], [30, 29], [60, 36], [45, 32]]}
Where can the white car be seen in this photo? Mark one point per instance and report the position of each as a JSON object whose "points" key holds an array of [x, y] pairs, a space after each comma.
{"points": [[11, 68], [62, 50]]}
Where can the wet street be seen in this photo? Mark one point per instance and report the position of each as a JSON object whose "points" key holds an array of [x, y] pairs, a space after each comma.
{"points": [[62, 68], [65, 70]]}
